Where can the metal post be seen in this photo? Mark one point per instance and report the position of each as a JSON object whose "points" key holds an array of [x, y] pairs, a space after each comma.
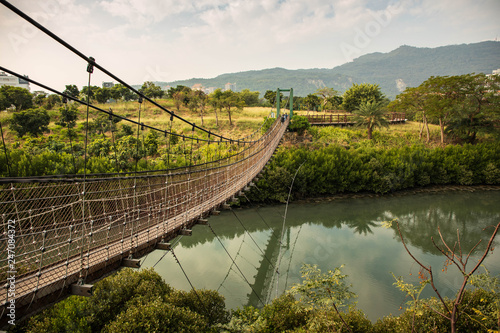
{"points": [[291, 103], [278, 103]]}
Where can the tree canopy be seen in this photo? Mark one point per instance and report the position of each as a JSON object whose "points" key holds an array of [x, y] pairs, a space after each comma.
{"points": [[360, 94], [31, 121], [21, 98]]}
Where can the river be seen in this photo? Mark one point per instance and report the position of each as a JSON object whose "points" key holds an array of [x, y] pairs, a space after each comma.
{"points": [[330, 233]]}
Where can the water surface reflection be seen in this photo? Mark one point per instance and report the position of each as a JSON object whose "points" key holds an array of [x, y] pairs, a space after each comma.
{"points": [[329, 234]]}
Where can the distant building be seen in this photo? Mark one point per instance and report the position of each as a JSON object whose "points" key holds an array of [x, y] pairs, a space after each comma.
{"points": [[108, 84], [14, 81], [210, 90], [198, 87], [230, 86], [496, 72]]}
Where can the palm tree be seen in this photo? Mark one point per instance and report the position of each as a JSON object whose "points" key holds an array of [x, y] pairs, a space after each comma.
{"points": [[370, 115]]}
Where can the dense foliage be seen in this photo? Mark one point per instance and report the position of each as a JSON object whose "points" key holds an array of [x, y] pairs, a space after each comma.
{"points": [[140, 301], [131, 301], [380, 166]]}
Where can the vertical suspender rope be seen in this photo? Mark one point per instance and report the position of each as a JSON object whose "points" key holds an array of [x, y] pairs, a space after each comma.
{"points": [[136, 207], [65, 101], [113, 139], [5, 151], [90, 70]]}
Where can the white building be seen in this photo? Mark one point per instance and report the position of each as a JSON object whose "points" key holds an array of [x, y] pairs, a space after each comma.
{"points": [[230, 86], [8, 80]]}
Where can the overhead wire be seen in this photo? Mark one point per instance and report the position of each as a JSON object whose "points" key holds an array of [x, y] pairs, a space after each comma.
{"points": [[92, 61]]}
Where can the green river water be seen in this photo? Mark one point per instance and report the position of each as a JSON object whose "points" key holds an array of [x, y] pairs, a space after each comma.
{"points": [[330, 233]]}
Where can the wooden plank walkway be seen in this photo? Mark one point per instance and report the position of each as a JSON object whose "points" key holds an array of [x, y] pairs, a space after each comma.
{"points": [[347, 119]]}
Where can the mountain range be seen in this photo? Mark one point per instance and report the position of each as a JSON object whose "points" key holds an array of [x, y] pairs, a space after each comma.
{"points": [[406, 66]]}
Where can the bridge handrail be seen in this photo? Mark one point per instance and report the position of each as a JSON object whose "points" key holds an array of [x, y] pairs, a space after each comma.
{"points": [[57, 245]]}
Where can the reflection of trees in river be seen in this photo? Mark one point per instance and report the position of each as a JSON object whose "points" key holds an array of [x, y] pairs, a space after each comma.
{"points": [[420, 215]]}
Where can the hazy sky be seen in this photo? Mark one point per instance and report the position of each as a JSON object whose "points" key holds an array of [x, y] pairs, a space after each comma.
{"points": [[166, 40]]}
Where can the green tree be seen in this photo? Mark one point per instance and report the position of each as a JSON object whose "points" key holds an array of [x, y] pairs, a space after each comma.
{"points": [[270, 95], [151, 90], [39, 98], [230, 101], [299, 124], [72, 91], [216, 101], [312, 102], [119, 91], [69, 116], [3, 101], [412, 102], [86, 91], [31, 121], [251, 98], [476, 109], [52, 100], [19, 97], [102, 95], [370, 115], [359, 94], [325, 94]]}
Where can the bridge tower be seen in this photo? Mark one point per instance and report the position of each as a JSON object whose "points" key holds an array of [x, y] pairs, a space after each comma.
{"points": [[278, 91]]}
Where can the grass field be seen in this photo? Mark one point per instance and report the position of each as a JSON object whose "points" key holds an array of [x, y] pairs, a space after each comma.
{"points": [[245, 121]]}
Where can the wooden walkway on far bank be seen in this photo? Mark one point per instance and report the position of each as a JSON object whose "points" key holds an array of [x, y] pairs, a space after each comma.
{"points": [[348, 119]]}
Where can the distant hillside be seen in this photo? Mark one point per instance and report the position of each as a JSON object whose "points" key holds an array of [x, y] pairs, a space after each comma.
{"points": [[393, 71]]}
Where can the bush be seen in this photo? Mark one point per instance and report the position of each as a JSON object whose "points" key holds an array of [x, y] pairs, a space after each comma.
{"points": [[299, 124], [31, 121]]}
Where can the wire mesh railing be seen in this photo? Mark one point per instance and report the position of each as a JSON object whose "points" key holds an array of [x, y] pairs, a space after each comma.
{"points": [[65, 232]]}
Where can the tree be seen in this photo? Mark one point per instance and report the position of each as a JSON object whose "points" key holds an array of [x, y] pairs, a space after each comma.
{"points": [[39, 98], [359, 94], [270, 95], [312, 102], [119, 91], [88, 91], [215, 100], [178, 97], [52, 100], [198, 100], [454, 256], [412, 102], [299, 124], [476, 109], [72, 91], [32, 121], [325, 94], [19, 97], [69, 116], [151, 90], [370, 115], [251, 98], [230, 100], [102, 95]]}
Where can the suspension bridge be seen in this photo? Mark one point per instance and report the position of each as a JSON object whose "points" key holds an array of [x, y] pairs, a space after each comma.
{"points": [[62, 232]]}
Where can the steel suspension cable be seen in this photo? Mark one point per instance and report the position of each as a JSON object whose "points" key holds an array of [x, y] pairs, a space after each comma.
{"points": [[91, 61]]}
